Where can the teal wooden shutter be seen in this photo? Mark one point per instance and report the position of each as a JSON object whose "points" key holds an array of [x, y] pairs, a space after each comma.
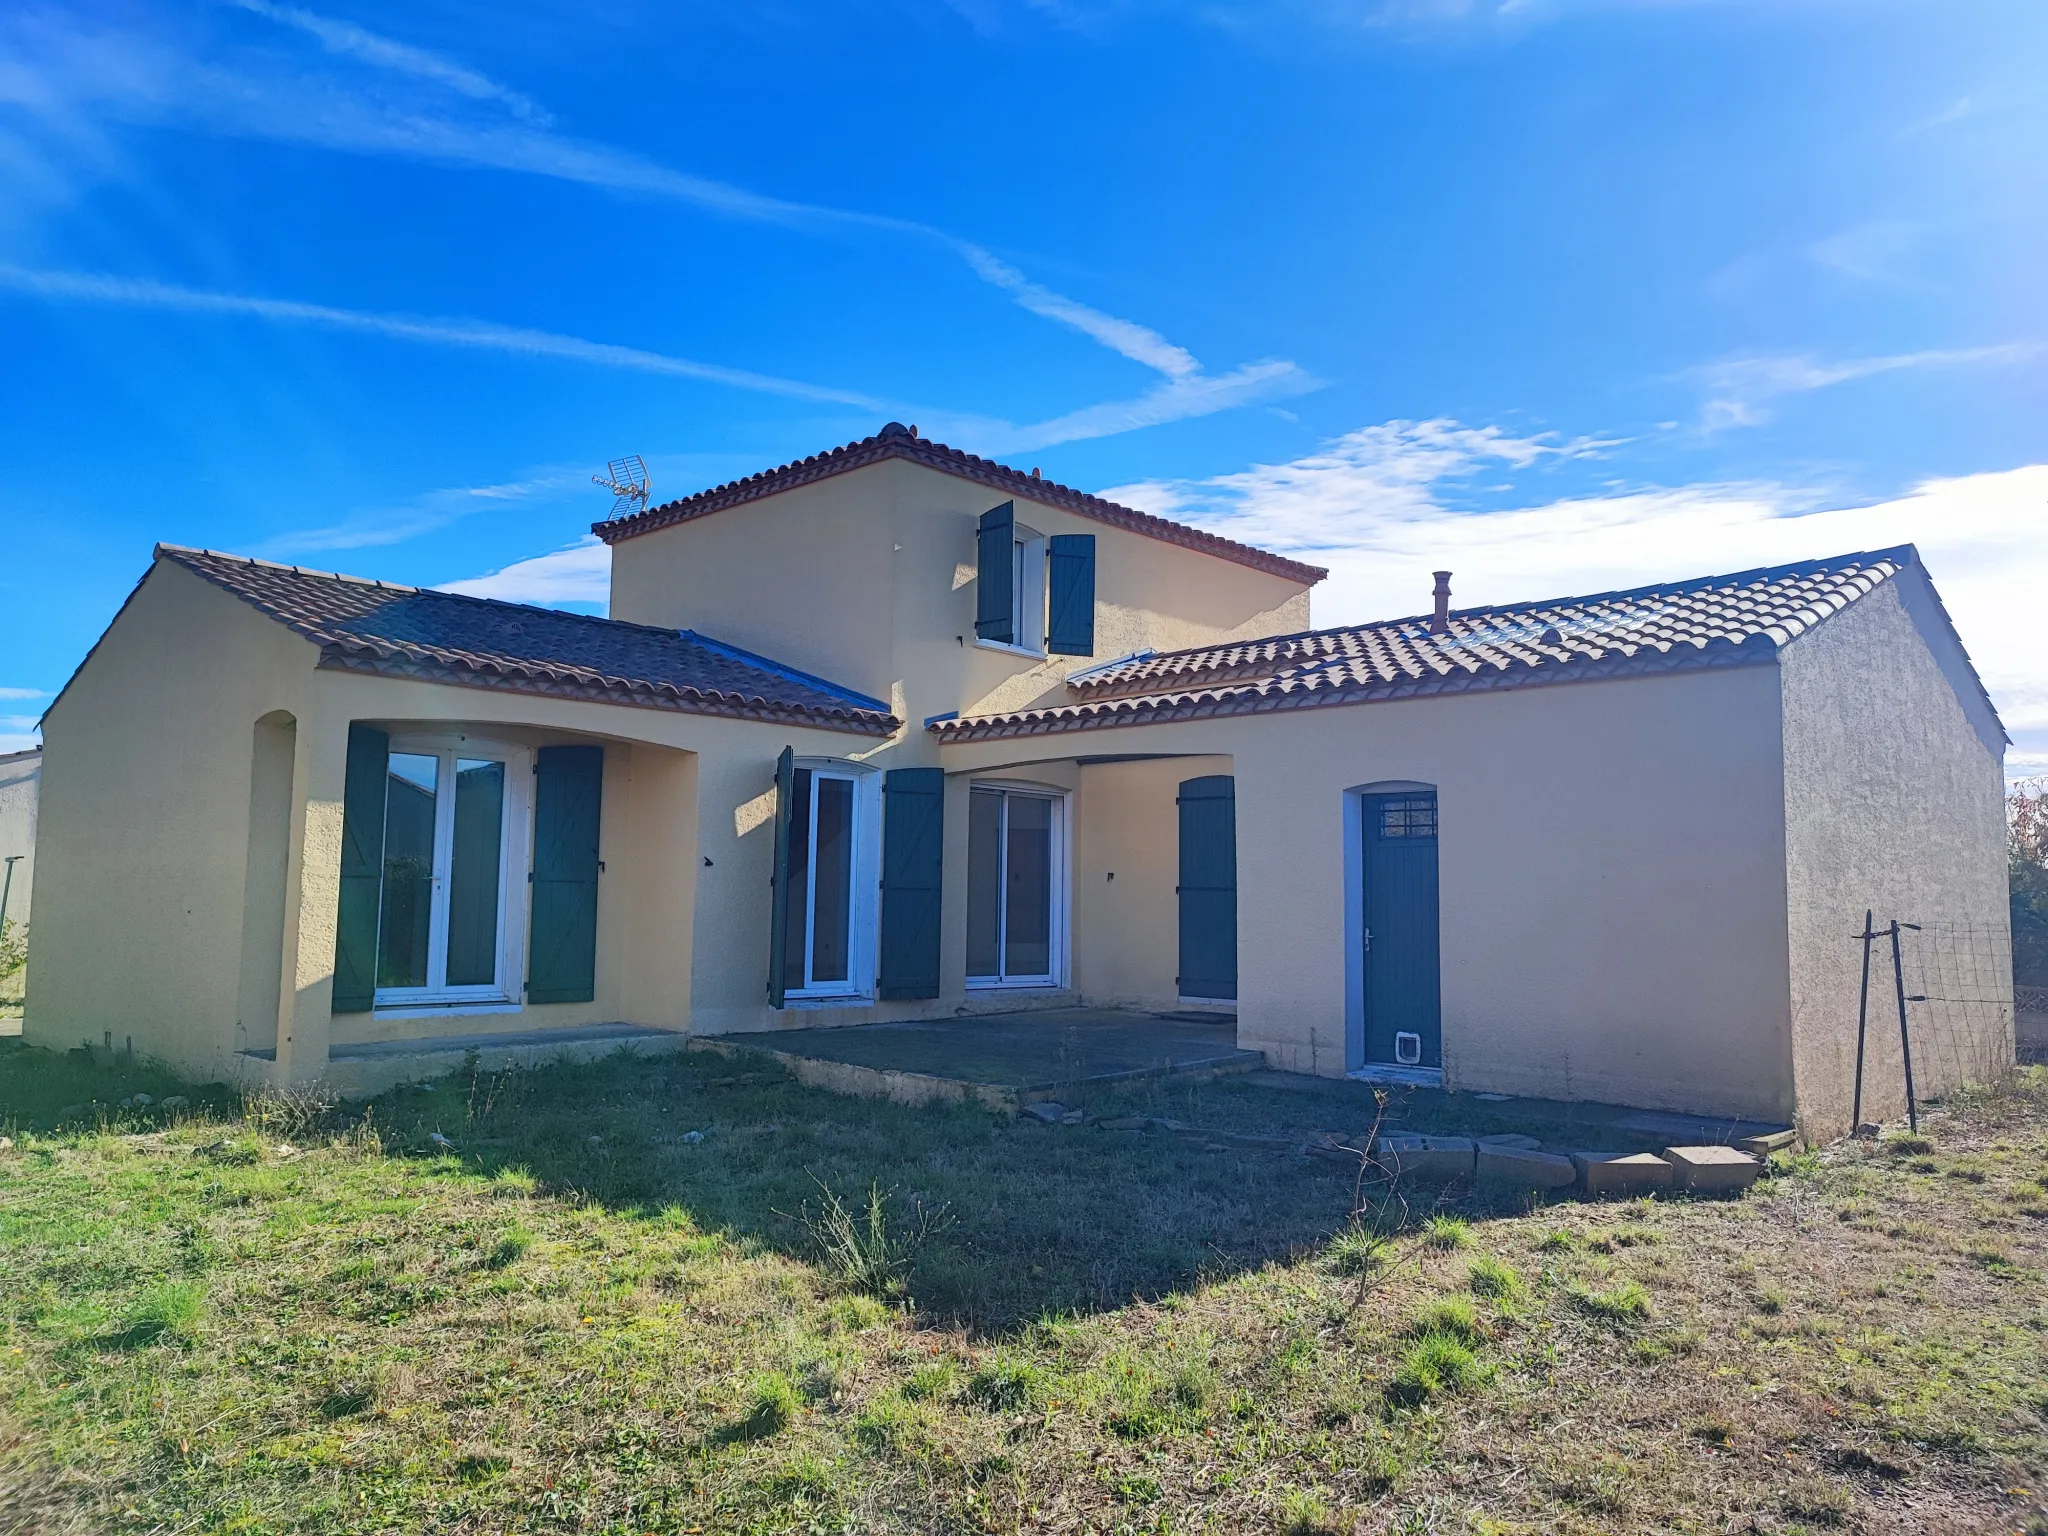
{"points": [[913, 857], [1208, 887], [362, 869], [1071, 578], [778, 903], [995, 579], [562, 937]]}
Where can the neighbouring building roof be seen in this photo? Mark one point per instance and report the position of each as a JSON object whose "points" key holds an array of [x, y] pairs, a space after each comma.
{"points": [[1711, 621], [475, 642], [896, 441]]}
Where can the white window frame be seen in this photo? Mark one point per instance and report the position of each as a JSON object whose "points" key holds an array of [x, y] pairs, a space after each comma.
{"points": [[1028, 596], [864, 939], [514, 850], [1062, 892]]}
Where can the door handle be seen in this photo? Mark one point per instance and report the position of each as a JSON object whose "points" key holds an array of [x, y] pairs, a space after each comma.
{"points": [[1368, 941]]}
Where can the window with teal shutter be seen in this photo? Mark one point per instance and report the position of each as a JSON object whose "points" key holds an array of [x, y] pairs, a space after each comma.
{"points": [[362, 870], [562, 941], [995, 615], [913, 857], [1071, 578]]}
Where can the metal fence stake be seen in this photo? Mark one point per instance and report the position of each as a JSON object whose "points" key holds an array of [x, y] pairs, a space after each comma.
{"points": [[1862, 1022], [1905, 1038]]}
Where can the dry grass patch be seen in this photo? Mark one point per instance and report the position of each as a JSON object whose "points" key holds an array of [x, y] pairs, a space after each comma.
{"points": [[367, 1332]]}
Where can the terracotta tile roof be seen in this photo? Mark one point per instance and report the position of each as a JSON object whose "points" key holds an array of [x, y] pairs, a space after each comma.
{"points": [[1713, 621], [475, 642], [896, 441]]}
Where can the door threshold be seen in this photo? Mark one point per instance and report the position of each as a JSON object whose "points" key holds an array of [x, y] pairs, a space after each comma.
{"points": [[1405, 1077]]}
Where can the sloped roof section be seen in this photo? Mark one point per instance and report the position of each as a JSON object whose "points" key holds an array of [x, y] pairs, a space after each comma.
{"points": [[896, 441], [1712, 621], [475, 642]]}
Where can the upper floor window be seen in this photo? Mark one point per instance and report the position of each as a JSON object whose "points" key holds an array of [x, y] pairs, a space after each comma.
{"points": [[1033, 592]]}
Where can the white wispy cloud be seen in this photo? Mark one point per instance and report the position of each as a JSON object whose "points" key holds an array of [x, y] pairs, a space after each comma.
{"points": [[418, 515], [1378, 507], [1739, 389], [1312, 505], [344, 37], [18, 733], [580, 574], [148, 294], [23, 693], [1178, 399], [1174, 400], [67, 73], [1139, 343]]}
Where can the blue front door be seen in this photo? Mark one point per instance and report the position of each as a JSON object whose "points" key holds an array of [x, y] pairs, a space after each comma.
{"points": [[1403, 991]]}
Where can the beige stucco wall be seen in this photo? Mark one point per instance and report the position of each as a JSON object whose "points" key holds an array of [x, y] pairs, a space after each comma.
{"points": [[143, 830], [1127, 824], [143, 932], [1612, 874], [868, 579], [20, 777], [1895, 803]]}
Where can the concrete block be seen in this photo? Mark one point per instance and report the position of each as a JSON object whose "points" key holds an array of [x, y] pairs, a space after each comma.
{"points": [[1764, 1146], [1619, 1173], [1712, 1170], [1511, 1139], [1525, 1167], [1427, 1159]]}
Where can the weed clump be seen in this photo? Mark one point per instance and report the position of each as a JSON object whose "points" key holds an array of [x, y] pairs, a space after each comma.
{"points": [[1303, 1513], [867, 1252], [510, 1248], [1447, 1233], [1624, 1303], [1357, 1250], [772, 1406], [1452, 1316], [1493, 1278], [1437, 1364], [1005, 1383], [168, 1312]]}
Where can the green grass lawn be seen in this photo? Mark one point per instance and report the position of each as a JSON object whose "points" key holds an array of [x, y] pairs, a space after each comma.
{"points": [[574, 1317]]}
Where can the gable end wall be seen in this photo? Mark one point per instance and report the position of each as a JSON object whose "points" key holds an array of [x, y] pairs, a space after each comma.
{"points": [[1894, 802]]}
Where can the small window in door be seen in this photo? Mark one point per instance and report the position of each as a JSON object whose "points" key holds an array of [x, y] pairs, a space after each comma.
{"points": [[1408, 818]]}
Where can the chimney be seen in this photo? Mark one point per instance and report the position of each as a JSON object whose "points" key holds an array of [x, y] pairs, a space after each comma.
{"points": [[1440, 621]]}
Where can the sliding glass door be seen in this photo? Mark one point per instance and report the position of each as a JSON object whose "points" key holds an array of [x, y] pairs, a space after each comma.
{"points": [[1016, 887], [448, 851]]}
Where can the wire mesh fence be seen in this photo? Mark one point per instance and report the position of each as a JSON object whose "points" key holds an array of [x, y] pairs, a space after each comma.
{"points": [[1959, 997], [1945, 992]]}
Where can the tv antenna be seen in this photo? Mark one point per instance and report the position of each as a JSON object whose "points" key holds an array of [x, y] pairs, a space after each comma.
{"points": [[626, 479]]}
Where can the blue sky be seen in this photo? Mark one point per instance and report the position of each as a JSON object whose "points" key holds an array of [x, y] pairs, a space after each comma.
{"points": [[1563, 294]]}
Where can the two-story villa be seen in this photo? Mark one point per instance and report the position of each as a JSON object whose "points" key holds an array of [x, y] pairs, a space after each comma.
{"points": [[897, 732]]}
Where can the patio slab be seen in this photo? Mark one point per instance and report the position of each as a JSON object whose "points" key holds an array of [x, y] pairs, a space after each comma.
{"points": [[1002, 1059]]}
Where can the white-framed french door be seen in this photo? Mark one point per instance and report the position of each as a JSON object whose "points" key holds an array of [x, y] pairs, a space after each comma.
{"points": [[834, 852], [452, 903], [1017, 859]]}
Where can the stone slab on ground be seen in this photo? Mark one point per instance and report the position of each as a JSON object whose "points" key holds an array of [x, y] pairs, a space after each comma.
{"points": [[1765, 1145], [1525, 1167], [1427, 1159], [1510, 1139], [1711, 1170], [1622, 1173], [1046, 1110]]}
